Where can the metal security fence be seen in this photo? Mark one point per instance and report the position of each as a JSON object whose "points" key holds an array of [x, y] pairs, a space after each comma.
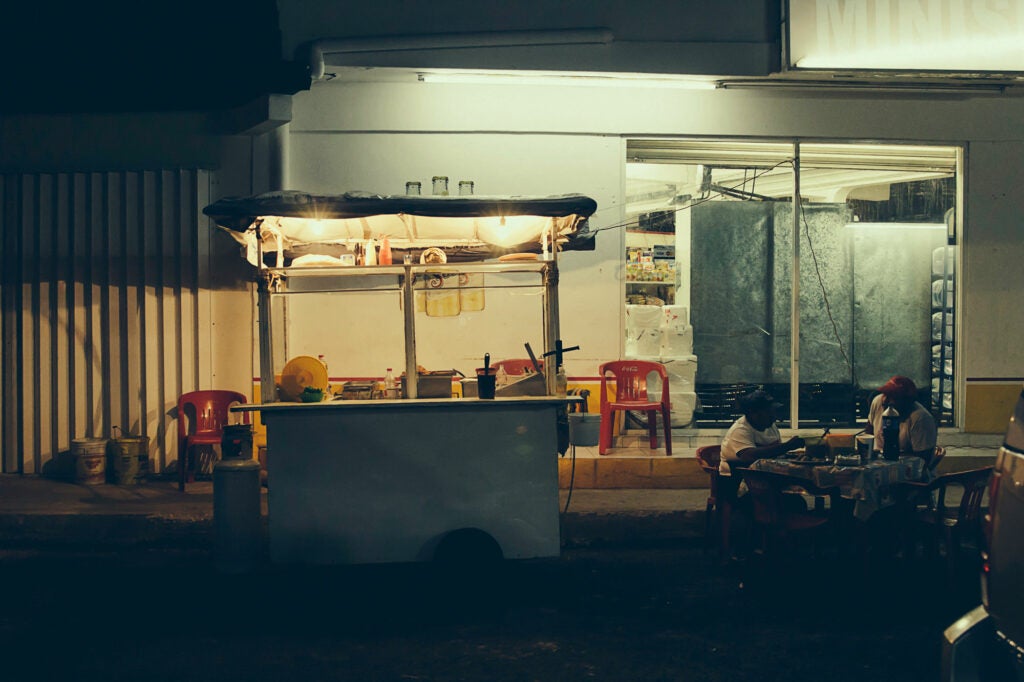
{"points": [[105, 312]]}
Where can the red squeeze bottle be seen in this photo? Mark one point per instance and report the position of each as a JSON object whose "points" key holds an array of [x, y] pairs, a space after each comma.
{"points": [[384, 258]]}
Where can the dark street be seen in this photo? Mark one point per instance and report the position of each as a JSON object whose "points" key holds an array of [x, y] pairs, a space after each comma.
{"points": [[655, 612]]}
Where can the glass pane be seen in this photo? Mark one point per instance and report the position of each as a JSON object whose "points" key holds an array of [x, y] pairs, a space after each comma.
{"points": [[724, 340], [868, 293]]}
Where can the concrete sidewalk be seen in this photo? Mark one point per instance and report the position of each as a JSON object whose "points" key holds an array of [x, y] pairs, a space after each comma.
{"points": [[45, 513]]}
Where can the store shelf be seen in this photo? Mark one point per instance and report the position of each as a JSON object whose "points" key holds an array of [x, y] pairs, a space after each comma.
{"points": [[942, 337], [400, 269]]}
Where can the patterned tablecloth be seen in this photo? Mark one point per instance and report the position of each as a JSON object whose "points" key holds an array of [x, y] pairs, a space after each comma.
{"points": [[867, 484]]}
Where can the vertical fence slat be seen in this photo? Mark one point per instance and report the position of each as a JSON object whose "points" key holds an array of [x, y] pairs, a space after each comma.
{"points": [[132, 273], [45, 318], [175, 382], [98, 357], [204, 296], [30, 321], [186, 249], [79, 358], [10, 271], [63, 283], [156, 419]]}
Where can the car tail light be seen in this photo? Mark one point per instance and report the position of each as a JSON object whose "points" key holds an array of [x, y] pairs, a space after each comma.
{"points": [[986, 571], [993, 493]]}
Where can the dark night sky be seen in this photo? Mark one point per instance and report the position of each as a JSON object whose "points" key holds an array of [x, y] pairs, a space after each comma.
{"points": [[139, 55]]}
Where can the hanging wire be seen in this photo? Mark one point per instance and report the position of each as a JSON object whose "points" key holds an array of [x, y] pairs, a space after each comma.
{"points": [[712, 196], [824, 293]]}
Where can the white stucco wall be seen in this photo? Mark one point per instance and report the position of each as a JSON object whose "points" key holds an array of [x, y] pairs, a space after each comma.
{"points": [[545, 140]]}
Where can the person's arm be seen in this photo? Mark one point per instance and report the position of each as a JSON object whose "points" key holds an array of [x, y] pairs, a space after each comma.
{"points": [[923, 437], [749, 455]]}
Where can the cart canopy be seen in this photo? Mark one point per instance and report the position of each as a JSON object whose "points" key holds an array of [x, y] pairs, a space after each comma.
{"points": [[319, 229]]}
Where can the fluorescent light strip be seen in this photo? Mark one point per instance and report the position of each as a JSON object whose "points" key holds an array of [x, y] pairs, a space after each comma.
{"points": [[565, 79], [900, 226]]}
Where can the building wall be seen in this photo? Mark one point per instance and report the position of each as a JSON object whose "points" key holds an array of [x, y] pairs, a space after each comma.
{"points": [[375, 136], [657, 36]]}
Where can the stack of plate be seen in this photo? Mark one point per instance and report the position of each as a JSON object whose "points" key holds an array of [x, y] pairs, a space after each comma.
{"points": [[299, 373]]}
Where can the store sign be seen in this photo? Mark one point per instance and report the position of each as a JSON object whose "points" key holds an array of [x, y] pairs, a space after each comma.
{"points": [[928, 35]]}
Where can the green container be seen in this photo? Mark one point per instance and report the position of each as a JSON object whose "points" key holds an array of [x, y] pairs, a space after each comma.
{"points": [[129, 459]]}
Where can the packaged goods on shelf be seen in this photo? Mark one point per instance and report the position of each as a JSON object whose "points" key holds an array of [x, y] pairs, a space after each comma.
{"points": [[937, 330], [677, 341], [938, 268], [643, 342], [942, 291], [675, 316]]}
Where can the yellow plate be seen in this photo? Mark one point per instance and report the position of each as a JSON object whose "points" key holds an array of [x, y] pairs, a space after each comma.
{"points": [[300, 372]]}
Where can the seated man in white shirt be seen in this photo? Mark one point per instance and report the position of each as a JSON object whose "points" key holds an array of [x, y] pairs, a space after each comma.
{"points": [[754, 436]]}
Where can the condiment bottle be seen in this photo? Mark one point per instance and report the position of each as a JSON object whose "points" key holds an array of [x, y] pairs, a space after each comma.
{"points": [[891, 433], [390, 388], [384, 258], [371, 253]]}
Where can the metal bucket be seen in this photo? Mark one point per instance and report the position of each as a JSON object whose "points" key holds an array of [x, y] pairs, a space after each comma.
{"points": [[584, 429], [90, 455], [127, 455]]}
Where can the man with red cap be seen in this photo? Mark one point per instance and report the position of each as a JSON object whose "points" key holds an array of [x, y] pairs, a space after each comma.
{"points": [[918, 433]]}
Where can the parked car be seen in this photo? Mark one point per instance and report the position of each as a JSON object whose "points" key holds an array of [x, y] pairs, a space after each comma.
{"points": [[987, 643]]}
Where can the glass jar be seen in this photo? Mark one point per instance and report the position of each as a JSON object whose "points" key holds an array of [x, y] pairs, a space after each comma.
{"points": [[413, 188], [440, 185], [465, 188]]}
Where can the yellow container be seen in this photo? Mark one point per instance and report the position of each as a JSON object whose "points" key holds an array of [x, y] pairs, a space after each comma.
{"points": [[841, 443]]}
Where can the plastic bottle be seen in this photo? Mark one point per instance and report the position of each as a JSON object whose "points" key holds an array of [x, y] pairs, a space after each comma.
{"points": [[891, 433], [390, 388], [371, 253], [561, 382], [384, 258], [323, 361]]}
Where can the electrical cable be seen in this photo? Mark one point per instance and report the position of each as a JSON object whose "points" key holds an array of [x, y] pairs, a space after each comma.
{"points": [[713, 195], [572, 476], [824, 293]]}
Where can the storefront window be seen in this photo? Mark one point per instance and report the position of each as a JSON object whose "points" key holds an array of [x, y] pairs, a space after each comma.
{"points": [[711, 241]]}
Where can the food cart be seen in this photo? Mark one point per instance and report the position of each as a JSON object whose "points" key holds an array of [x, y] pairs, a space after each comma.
{"points": [[394, 480]]}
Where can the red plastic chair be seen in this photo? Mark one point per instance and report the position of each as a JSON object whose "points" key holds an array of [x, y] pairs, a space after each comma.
{"points": [[202, 416], [708, 457], [631, 395]]}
